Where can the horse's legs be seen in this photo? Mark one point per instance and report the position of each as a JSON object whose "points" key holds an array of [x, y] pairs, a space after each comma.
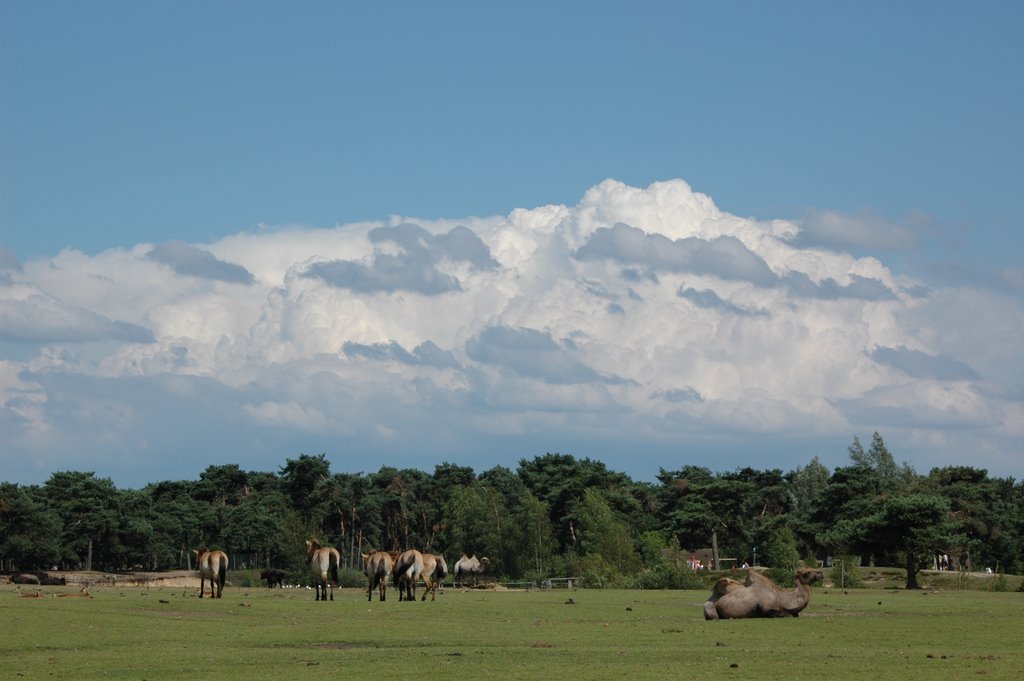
{"points": [[323, 589], [202, 586], [426, 588]]}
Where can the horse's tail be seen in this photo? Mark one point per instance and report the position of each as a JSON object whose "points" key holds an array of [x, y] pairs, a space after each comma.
{"points": [[401, 566], [222, 573], [334, 568]]}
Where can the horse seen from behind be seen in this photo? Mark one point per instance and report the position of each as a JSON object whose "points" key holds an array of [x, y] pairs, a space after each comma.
{"points": [[378, 566], [212, 565], [434, 570], [408, 567], [323, 561]]}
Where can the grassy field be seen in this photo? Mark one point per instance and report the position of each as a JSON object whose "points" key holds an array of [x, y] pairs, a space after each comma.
{"points": [[140, 633]]}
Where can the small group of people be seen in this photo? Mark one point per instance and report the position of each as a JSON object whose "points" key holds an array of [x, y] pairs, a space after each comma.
{"points": [[943, 562], [696, 564]]}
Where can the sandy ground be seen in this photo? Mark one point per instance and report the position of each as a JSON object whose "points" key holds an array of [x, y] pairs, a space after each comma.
{"points": [[171, 579]]}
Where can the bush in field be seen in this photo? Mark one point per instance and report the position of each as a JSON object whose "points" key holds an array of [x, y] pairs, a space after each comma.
{"points": [[844, 572], [782, 553], [665, 575], [597, 573], [1000, 583], [245, 579], [348, 577], [784, 577], [664, 566]]}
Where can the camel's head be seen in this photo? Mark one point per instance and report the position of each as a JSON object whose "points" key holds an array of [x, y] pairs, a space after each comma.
{"points": [[809, 576]]}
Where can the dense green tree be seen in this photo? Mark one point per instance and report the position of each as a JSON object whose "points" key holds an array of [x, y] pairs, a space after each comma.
{"points": [[90, 519], [761, 513], [879, 459], [780, 552], [136, 533], [806, 485], [533, 539], [506, 482], [449, 477], [30, 531], [410, 514], [467, 521], [224, 485], [601, 532], [701, 509], [554, 515], [301, 477], [254, 529], [559, 480], [910, 525], [853, 492], [982, 513], [178, 519]]}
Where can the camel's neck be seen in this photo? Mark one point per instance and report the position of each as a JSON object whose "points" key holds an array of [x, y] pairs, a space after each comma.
{"points": [[799, 596]]}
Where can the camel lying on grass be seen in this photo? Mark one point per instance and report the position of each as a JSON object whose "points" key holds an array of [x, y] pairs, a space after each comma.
{"points": [[759, 596]]}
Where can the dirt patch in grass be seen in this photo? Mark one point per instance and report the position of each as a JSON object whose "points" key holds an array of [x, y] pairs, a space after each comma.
{"points": [[183, 614], [333, 646]]}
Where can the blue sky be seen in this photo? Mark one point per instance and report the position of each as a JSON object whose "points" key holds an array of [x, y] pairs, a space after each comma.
{"points": [[866, 155]]}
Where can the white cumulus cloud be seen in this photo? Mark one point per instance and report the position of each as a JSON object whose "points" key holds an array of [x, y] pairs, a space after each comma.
{"points": [[642, 326]]}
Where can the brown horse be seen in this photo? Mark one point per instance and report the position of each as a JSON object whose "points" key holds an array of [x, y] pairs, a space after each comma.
{"points": [[434, 571], [378, 566], [407, 570], [322, 561], [212, 565]]}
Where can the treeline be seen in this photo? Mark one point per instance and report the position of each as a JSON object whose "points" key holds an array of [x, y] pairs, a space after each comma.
{"points": [[555, 515]]}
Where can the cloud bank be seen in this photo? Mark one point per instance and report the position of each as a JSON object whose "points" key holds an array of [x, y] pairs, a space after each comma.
{"points": [[642, 326]]}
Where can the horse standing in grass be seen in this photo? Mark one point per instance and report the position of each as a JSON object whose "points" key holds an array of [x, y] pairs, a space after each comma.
{"points": [[408, 568], [213, 565], [434, 570], [378, 566], [322, 561]]}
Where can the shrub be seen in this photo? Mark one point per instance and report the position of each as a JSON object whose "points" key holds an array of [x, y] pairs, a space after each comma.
{"points": [[781, 551], [784, 577], [844, 572], [1000, 583], [664, 575], [245, 578], [348, 577]]}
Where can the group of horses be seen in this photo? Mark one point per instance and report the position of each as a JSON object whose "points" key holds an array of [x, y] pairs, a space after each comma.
{"points": [[408, 567], [405, 568]]}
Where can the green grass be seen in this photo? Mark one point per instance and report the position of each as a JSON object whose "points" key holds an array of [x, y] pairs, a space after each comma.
{"points": [[137, 633]]}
